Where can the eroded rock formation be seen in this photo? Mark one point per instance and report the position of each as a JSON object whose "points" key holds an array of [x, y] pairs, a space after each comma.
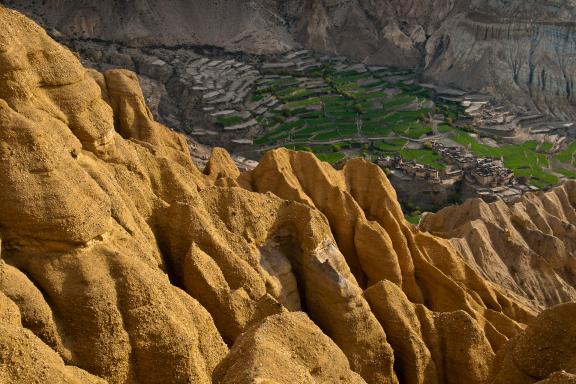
{"points": [[122, 262], [544, 352], [528, 247]]}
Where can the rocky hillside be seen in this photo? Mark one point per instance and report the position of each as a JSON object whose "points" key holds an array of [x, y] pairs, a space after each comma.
{"points": [[520, 51], [528, 247], [247, 25], [122, 262]]}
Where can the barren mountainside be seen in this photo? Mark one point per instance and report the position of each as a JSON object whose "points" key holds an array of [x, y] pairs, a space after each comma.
{"points": [[248, 25], [519, 51], [122, 262]]}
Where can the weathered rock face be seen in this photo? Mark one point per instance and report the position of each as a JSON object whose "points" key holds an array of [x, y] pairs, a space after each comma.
{"points": [[123, 263], [528, 247], [544, 352], [260, 354], [392, 32], [26, 359], [384, 32]]}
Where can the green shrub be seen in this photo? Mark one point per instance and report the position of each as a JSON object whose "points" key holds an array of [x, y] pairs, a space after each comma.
{"points": [[469, 128]]}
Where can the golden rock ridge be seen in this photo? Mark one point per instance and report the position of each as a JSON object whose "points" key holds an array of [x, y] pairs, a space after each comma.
{"points": [[123, 263], [528, 247]]}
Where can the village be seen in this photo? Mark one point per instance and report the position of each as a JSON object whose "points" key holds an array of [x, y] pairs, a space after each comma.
{"points": [[465, 175]]}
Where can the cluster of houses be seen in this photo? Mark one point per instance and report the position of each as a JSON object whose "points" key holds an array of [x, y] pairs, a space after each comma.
{"points": [[481, 111], [410, 168], [485, 178], [494, 119], [491, 173], [482, 172]]}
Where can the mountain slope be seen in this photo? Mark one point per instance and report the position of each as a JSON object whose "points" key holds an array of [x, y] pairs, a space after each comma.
{"points": [[248, 25], [519, 51], [133, 266]]}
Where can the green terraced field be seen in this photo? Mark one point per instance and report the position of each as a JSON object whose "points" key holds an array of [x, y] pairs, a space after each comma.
{"points": [[545, 147], [329, 153], [230, 120], [384, 110], [350, 105], [566, 172], [567, 156], [394, 145], [330, 157]]}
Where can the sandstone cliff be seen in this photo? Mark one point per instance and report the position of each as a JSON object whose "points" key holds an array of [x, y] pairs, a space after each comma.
{"points": [[122, 262], [528, 247]]}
